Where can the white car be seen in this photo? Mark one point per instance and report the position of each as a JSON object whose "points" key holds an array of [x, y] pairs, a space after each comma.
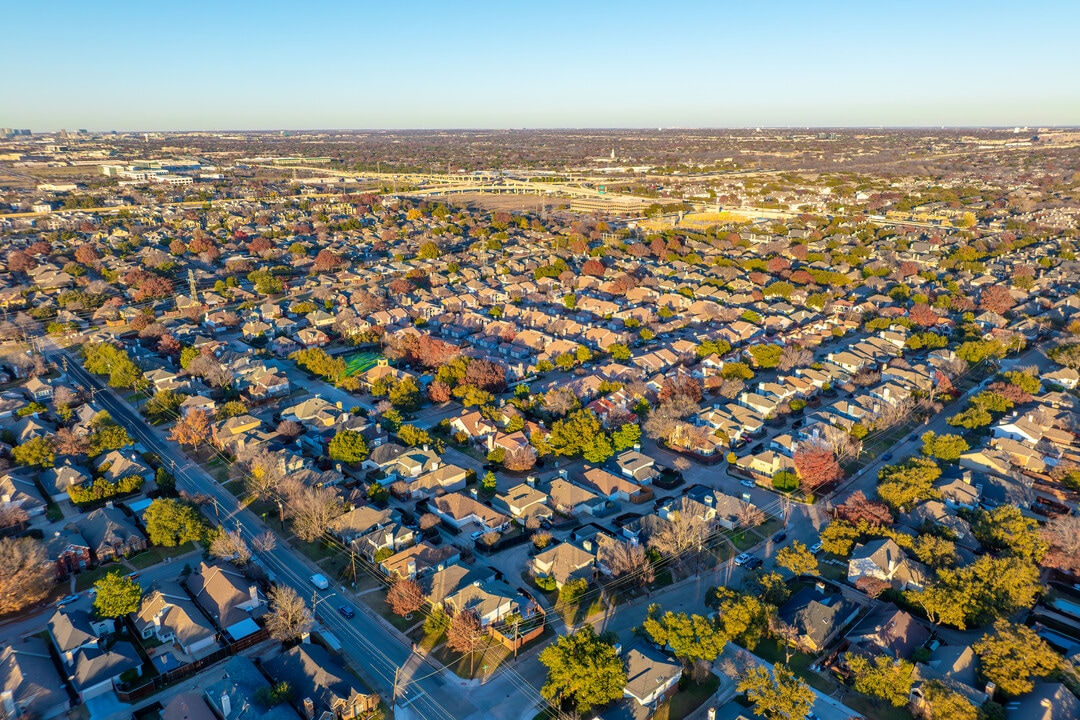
{"points": [[743, 558], [748, 483], [815, 548]]}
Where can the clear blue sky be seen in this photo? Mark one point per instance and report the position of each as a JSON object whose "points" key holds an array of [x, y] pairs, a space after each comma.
{"points": [[235, 64]]}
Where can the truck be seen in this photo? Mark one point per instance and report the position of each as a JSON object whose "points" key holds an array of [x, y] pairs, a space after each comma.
{"points": [[320, 582]]}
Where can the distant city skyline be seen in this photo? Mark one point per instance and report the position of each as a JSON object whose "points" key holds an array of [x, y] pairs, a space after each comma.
{"points": [[265, 66]]}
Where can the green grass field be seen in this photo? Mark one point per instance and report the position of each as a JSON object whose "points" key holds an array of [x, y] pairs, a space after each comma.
{"points": [[361, 362]]}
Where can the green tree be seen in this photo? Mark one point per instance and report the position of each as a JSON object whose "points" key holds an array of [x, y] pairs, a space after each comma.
{"points": [[974, 594], [348, 446], [797, 558], [882, 678], [172, 522], [488, 482], [619, 351], [583, 671], [628, 435], [1013, 655], [766, 356], [785, 481], [35, 452], [429, 251], [691, 637], [598, 450], [405, 395], [909, 483], [944, 447], [946, 704], [743, 618], [117, 595], [736, 371], [574, 433], [776, 696], [1006, 529]]}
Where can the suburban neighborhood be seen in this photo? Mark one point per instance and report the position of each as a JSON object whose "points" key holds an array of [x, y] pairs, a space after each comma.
{"points": [[288, 436]]}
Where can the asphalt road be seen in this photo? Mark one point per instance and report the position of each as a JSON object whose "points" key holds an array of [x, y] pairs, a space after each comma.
{"points": [[374, 650]]}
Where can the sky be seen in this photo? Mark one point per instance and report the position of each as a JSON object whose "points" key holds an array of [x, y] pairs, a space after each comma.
{"points": [[268, 65]]}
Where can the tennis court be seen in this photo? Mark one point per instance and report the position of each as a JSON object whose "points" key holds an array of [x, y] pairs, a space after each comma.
{"points": [[361, 362]]}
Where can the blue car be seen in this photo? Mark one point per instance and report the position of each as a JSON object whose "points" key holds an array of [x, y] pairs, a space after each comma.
{"points": [[347, 612]]}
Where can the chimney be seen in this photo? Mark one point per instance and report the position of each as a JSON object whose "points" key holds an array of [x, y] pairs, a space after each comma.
{"points": [[226, 705], [309, 708], [820, 587], [253, 592], [411, 569], [109, 504], [586, 545], [967, 477], [530, 480]]}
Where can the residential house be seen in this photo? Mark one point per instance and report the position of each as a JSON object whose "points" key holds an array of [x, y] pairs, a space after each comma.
{"points": [[30, 686], [187, 706], [38, 390], [889, 630], [491, 601], [569, 499], [169, 615], [817, 614], [459, 510], [116, 465], [109, 533], [419, 560], [884, 560], [321, 684], [69, 551], [442, 479], [611, 487], [233, 601], [77, 636], [652, 677], [524, 501], [564, 562], [234, 697], [361, 521], [637, 467]]}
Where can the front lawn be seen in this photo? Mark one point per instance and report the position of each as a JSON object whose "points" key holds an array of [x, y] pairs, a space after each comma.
{"points": [[156, 554], [875, 709], [479, 664], [685, 702], [86, 579]]}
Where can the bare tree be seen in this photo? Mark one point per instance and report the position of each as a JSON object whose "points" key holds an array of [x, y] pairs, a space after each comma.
{"points": [[289, 616], [793, 356], [466, 635], [25, 573], [290, 429], [841, 442], [521, 458], [64, 395], [560, 401], [681, 464], [628, 560], [681, 537], [264, 541], [230, 545], [263, 470], [749, 515], [405, 597], [1063, 535], [313, 511]]}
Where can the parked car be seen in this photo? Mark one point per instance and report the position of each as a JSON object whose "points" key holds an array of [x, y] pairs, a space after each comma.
{"points": [[748, 483], [887, 456], [743, 558], [753, 563], [477, 535], [347, 612], [66, 599], [815, 548], [779, 537]]}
